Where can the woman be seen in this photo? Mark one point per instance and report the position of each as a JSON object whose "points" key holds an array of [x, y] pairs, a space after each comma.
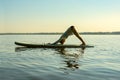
{"points": [[71, 30]]}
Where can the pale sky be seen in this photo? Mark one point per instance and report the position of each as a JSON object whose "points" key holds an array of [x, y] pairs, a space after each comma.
{"points": [[58, 15]]}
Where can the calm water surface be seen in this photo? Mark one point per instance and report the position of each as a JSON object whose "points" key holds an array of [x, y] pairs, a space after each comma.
{"points": [[99, 63]]}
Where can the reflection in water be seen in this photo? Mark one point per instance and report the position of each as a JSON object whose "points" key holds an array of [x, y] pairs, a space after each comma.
{"points": [[71, 59], [18, 49], [70, 56]]}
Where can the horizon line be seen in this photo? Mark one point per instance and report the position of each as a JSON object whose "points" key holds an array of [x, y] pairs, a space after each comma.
{"points": [[55, 33], [61, 32]]}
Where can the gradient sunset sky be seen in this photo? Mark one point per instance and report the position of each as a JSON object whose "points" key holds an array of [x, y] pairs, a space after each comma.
{"points": [[58, 15]]}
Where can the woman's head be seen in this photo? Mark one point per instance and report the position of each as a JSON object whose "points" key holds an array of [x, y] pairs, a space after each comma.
{"points": [[62, 41]]}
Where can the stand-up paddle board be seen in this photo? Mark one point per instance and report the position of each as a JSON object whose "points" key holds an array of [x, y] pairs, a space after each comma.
{"points": [[51, 46]]}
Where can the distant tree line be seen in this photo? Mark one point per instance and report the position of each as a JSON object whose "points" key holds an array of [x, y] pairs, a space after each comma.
{"points": [[101, 33], [56, 33]]}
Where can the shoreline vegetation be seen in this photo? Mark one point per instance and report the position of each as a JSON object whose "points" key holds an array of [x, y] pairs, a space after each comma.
{"points": [[58, 33]]}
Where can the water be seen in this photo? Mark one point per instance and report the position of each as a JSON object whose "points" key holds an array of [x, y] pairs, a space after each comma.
{"points": [[99, 63]]}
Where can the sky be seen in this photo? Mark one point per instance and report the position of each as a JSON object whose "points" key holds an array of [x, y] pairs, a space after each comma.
{"points": [[24, 16]]}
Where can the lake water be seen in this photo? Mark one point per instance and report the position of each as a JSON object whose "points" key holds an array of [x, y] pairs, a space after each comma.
{"points": [[99, 63]]}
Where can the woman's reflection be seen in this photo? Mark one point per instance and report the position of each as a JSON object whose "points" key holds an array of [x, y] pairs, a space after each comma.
{"points": [[71, 57]]}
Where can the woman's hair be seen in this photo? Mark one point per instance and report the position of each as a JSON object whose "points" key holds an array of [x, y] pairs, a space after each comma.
{"points": [[62, 41]]}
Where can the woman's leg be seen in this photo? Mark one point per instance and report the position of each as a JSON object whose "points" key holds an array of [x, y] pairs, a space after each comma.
{"points": [[77, 34]]}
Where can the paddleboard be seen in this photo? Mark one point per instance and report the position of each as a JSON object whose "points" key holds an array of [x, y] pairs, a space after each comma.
{"points": [[51, 46]]}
